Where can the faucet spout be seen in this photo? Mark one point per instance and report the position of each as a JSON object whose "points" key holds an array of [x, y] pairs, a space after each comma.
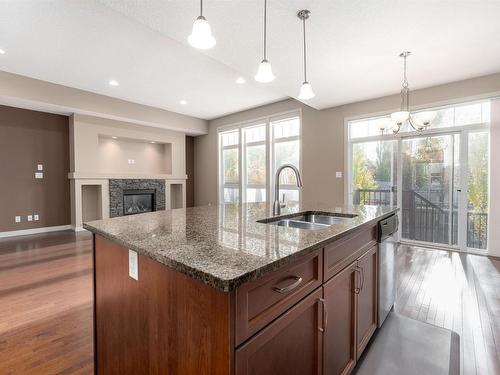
{"points": [[277, 204]]}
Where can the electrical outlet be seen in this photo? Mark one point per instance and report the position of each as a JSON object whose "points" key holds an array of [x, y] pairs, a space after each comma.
{"points": [[30, 217], [39, 167], [133, 265], [36, 217], [38, 174], [18, 219], [338, 174]]}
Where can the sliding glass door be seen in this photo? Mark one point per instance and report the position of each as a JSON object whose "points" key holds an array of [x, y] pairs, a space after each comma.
{"points": [[430, 189]]}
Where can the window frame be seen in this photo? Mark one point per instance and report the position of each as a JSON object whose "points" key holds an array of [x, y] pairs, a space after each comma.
{"points": [[269, 143]]}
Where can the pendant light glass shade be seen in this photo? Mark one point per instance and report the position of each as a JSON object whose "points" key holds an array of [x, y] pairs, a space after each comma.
{"points": [[306, 91], [426, 117], [400, 116], [264, 72], [201, 36]]}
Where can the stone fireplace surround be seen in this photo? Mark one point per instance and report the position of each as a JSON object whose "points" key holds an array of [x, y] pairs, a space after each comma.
{"points": [[117, 186]]}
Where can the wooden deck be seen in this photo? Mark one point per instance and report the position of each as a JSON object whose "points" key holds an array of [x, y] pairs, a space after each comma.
{"points": [[46, 300]]}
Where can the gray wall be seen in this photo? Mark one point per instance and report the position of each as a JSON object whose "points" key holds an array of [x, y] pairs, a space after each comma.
{"points": [[323, 136], [29, 138]]}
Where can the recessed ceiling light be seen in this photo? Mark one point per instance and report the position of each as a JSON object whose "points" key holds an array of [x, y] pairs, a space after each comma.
{"points": [[114, 137], [183, 102], [152, 142], [240, 80], [113, 82], [2, 52]]}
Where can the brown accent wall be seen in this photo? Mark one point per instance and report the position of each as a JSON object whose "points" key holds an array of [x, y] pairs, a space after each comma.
{"points": [[29, 138], [190, 171]]}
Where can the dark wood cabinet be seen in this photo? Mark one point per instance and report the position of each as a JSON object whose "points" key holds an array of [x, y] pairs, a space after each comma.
{"points": [[290, 345], [312, 316], [350, 299], [367, 298], [340, 332]]}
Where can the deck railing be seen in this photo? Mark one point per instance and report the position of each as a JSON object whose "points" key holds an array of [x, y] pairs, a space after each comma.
{"points": [[423, 220]]}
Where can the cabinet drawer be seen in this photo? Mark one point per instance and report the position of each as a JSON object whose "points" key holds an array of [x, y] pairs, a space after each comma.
{"points": [[341, 253], [259, 302]]}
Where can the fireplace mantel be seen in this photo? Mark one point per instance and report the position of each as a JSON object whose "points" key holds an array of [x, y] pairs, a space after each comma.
{"points": [[107, 176]]}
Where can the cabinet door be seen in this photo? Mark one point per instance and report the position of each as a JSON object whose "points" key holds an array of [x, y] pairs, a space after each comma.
{"points": [[367, 298], [290, 345], [339, 355]]}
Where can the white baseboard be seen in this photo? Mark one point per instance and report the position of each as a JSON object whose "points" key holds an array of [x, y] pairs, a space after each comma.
{"points": [[24, 232]]}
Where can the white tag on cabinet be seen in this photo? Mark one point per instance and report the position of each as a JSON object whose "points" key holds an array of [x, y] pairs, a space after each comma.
{"points": [[133, 265]]}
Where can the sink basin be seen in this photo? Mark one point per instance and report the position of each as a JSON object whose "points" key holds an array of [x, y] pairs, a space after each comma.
{"points": [[322, 219], [309, 220], [299, 224]]}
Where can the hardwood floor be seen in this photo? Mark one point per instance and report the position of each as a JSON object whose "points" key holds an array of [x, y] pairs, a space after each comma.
{"points": [[459, 292], [46, 303]]}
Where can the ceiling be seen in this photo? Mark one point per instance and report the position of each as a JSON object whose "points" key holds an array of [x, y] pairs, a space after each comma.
{"points": [[352, 48]]}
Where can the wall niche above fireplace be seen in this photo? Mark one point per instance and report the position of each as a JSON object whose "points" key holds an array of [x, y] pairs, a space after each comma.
{"points": [[134, 196]]}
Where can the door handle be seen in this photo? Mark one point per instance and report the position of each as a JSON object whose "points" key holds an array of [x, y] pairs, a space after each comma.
{"points": [[325, 315], [358, 272], [290, 287], [361, 273]]}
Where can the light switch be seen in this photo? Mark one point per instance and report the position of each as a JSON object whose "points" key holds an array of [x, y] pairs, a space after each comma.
{"points": [[30, 217], [36, 217], [38, 174], [18, 219], [338, 174], [133, 265], [39, 167]]}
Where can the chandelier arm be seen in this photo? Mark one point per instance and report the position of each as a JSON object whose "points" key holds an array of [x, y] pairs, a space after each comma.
{"points": [[417, 128]]}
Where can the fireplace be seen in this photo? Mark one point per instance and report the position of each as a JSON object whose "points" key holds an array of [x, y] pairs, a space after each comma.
{"points": [[135, 196], [138, 201]]}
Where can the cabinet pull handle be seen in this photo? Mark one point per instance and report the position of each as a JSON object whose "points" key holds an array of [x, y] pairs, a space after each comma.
{"points": [[290, 287], [358, 272], [325, 315], [362, 278]]}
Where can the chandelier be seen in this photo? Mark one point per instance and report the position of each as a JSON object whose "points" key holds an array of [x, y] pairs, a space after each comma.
{"points": [[419, 121]]}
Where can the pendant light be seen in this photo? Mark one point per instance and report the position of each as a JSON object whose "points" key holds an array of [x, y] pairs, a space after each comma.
{"points": [[418, 121], [201, 36], [265, 72], [306, 91]]}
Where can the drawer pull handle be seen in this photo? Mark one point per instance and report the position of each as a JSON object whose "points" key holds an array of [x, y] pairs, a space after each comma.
{"points": [[290, 287]]}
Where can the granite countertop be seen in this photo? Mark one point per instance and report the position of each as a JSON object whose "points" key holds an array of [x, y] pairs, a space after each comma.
{"points": [[224, 246]]}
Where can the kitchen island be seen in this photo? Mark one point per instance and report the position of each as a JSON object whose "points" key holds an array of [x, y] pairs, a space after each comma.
{"points": [[213, 290]]}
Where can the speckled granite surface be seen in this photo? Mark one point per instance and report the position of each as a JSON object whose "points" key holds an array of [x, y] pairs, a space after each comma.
{"points": [[224, 246]]}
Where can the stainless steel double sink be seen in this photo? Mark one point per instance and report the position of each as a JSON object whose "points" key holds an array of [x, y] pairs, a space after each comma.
{"points": [[309, 220]]}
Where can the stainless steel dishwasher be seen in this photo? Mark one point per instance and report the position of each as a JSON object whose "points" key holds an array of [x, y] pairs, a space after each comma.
{"points": [[388, 246]]}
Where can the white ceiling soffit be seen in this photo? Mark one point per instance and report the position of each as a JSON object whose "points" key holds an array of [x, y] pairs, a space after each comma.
{"points": [[353, 46], [84, 44]]}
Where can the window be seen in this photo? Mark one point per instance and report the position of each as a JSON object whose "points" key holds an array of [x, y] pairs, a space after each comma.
{"points": [[257, 149], [230, 165]]}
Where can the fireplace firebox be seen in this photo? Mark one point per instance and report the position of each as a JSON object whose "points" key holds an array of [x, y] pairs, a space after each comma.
{"points": [[138, 201]]}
